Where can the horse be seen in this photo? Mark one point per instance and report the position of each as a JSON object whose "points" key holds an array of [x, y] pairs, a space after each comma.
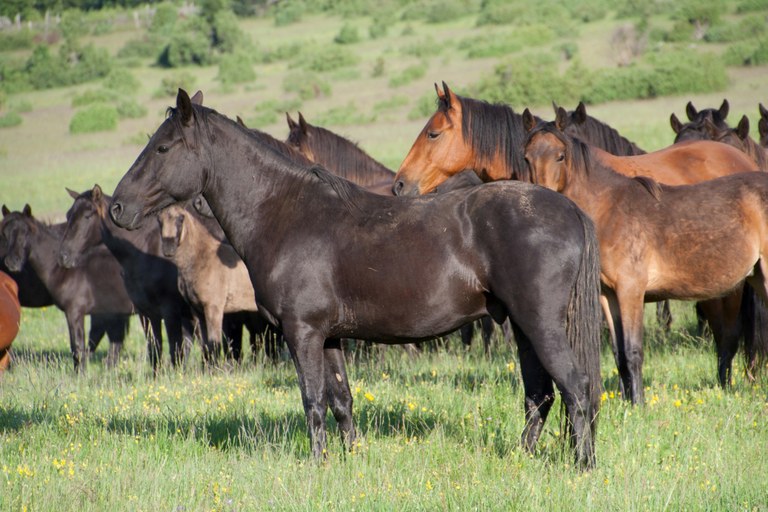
{"points": [[339, 155], [344, 262], [762, 126], [32, 293], [150, 279], [470, 134], [10, 315], [94, 287], [740, 139], [695, 128], [212, 278], [690, 242]]}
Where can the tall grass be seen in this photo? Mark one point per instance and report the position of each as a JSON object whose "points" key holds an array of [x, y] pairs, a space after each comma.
{"points": [[436, 432]]}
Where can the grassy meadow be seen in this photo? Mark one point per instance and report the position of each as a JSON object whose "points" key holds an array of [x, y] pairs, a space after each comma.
{"points": [[436, 432]]}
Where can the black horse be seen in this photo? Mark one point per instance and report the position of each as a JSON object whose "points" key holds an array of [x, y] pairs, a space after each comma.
{"points": [[150, 278], [328, 259], [95, 288], [34, 294]]}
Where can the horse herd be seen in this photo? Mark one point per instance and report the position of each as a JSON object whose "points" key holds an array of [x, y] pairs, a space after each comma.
{"points": [[311, 241]]}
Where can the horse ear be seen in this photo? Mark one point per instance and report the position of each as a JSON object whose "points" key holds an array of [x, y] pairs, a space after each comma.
{"points": [[184, 106], [676, 124], [581, 113], [291, 123], [529, 122], [197, 99], [27, 210], [97, 193], [302, 123], [763, 110], [742, 130], [450, 96], [72, 193], [690, 111], [6, 211], [762, 126], [241, 122], [724, 109], [561, 119]]}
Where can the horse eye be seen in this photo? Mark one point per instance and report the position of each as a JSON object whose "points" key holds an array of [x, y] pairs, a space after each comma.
{"points": [[162, 149], [433, 135], [561, 157]]}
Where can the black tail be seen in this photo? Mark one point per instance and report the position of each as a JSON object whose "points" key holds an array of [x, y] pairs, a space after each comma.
{"points": [[754, 318]]}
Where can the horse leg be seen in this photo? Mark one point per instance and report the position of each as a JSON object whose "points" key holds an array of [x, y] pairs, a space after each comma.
{"points": [[117, 330], [175, 337], [630, 304], [664, 315], [232, 332], [154, 337], [758, 349], [539, 392], [467, 331], [610, 305], [75, 321], [214, 316], [99, 324], [5, 359], [337, 386], [306, 347], [487, 326], [722, 315]]}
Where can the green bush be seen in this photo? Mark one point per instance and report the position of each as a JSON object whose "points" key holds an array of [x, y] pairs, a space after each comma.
{"points": [[752, 6], [727, 31], [170, 85], [121, 81], [130, 109], [425, 48], [378, 67], [271, 111], [408, 75], [344, 115], [754, 53], [45, 71], [94, 96], [148, 46], [347, 35], [190, 43], [306, 85], [390, 104], [13, 75], [20, 106], [288, 11], [166, 15], [425, 106], [440, 11], [235, 68], [11, 40], [227, 35], [94, 118], [10, 119], [324, 58]]}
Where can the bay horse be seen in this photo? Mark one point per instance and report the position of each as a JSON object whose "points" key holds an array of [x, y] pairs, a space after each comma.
{"points": [[688, 242], [10, 315], [344, 262], [150, 278], [696, 128], [339, 155], [762, 126], [739, 138], [94, 287], [470, 134], [212, 278], [34, 294]]}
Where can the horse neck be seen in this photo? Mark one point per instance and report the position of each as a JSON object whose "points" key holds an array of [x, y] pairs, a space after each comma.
{"points": [[43, 246], [346, 159], [607, 138], [126, 245], [586, 186], [196, 243]]}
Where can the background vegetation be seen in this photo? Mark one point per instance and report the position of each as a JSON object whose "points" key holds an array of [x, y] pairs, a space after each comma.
{"points": [[437, 432]]}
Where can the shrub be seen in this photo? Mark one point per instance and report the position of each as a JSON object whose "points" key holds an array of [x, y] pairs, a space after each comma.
{"points": [[164, 19], [324, 58], [189, 44], [408, 75], [227, 35], [347, 35], [270, 111], [94, 118], [121, 81], [235, 68], [148, 46], [13, 76], [752, 6], [20, 106], [288, 11], [752, 53], [130, 109], [427, 47], [170, 85], [425, 106], [344, 115], [10, 119], [378, 67], [94, 96], [91, 63], [726, 31], [45, 71], [306, 85], [16, 40]]}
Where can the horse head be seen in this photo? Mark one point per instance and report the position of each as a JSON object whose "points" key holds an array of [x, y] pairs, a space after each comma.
{"points": [[84, 221], [547, 150], [171, 168], [171, 222], [15, 231]]}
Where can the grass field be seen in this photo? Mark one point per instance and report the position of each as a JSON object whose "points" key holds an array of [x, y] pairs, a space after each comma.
{"points": [[438, 432]]}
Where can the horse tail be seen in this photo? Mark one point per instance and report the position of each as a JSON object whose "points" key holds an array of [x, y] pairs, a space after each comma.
{"points": [[754, 319], [584, 318]]}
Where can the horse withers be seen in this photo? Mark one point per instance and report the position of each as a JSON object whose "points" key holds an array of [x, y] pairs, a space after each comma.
{"points": [[343, 262]]}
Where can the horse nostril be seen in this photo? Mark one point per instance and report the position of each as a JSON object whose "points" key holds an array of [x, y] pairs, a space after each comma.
{"points": [[116, 210], [397, 188]]}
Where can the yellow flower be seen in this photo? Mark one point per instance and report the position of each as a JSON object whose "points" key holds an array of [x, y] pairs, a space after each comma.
{"points": [[368, 397], [678, 403], [511, 366], [429, 485]]}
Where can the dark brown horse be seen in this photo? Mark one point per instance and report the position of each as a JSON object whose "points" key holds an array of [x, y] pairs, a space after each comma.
{"points": [[740, 139], [10, 315], [343, 262], [693, 242], [698, 120], [149, 277], [94, 287], [339, 155], [471, 134], [762, 126]]}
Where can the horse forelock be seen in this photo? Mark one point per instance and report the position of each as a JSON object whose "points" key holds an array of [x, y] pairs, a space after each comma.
{"points": [[494, 130]]}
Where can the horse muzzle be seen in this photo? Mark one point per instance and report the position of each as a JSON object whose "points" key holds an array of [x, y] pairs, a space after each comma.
{"points": [[122, 218]]}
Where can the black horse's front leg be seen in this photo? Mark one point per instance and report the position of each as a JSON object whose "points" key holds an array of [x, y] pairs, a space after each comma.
{"points": [[539, 392], [306, 347], [339, 394], [75, 324]]}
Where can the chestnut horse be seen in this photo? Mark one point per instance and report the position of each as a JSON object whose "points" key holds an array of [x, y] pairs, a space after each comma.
{"points": [[10, 314], [694, 242], [344, 262]]}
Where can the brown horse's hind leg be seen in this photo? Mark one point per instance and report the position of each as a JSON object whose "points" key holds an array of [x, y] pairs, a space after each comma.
{"points": [[723, 317], [630, 342], [339, 394], [5, 359]]}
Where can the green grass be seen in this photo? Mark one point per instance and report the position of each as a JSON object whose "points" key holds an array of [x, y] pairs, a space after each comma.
{"points": [[439, 431]]}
